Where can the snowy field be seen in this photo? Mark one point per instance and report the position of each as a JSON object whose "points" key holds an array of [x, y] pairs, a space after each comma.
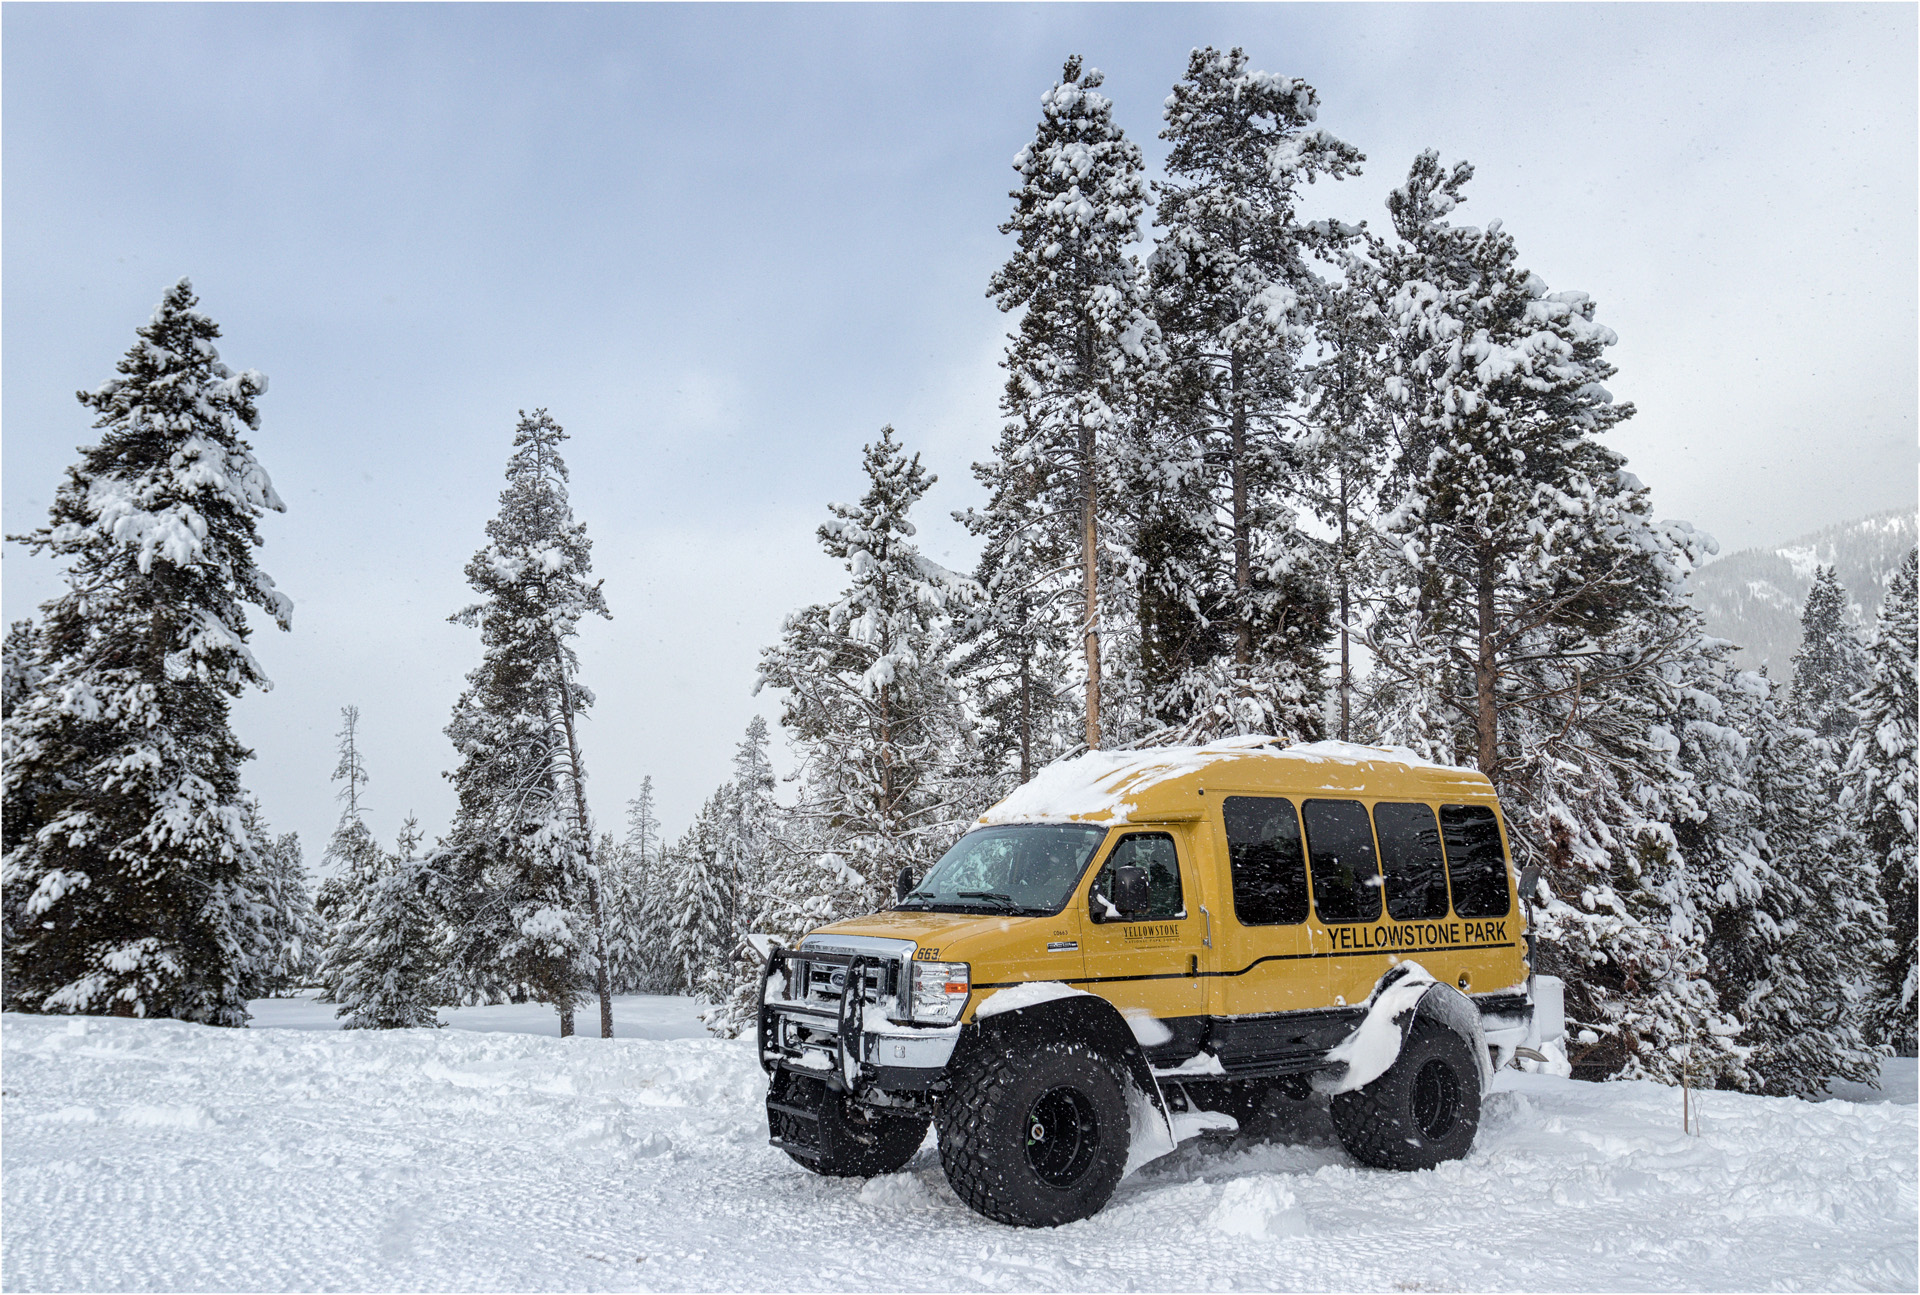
{"points": [[635, 1016], [152, 1155]]}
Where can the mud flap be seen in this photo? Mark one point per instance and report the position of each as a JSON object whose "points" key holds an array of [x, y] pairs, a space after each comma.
{"points": [[1406, 992]]}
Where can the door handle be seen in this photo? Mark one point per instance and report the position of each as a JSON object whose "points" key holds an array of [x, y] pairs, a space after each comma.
{"points": [[1207, 939]]}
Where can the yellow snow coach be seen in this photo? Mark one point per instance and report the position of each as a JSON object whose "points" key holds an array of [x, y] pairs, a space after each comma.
{"points": [[1138, 946]]}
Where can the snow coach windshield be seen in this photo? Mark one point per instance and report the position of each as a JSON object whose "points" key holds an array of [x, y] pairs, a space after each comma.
{"points": [[1026, 870]]}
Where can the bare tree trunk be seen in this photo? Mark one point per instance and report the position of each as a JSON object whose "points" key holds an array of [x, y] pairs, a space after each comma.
{"points": [[887, 819], [1242, 548], [1346, 660], [1090, 556], [1026, 710], [602, 982], [585, 826], [1486, 672], [566, 1019]]}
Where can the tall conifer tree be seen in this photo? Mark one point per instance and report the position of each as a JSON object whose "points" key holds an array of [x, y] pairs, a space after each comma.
{"points": [[1350, 427], [517, 878], [1831, 665], [353, 857], [870, 702], [1883, 789], [1085, 334], [131, 878], [1017, 643], [1235, 293], [1538, 611], [1806, 1015]]}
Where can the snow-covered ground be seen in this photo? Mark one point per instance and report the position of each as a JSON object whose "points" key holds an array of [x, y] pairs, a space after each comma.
{"points": [[635, 1016], [158, 1156]]}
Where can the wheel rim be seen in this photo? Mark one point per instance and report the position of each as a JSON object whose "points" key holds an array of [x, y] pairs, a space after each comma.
{"points": [[1062, 1133], [1436, 1095]]}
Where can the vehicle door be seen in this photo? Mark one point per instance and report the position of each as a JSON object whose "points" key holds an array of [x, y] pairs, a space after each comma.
{"points": [[1151, 963], [1272, 957]]}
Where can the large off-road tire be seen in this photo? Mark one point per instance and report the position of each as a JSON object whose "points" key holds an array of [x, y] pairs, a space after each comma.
{"points": [[853, 1140], [1037, 1137], [1425, 1109]]}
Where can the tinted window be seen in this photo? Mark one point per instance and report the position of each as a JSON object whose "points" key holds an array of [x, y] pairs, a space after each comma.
{"points": [[1411, 861], [1152, 851], [1346, 879], [1475, 862], [1269, 871]]}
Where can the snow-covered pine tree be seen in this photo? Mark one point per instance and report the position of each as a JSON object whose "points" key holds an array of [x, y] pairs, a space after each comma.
{"points": [[619, 915], [1015, 645], [1234, 293], [748, 859], [1726, 897], [755, 829], [22, 668], [1880, 803], [384, 958], [1534, 598], [516, 880], [1349, 437], [127, 855], [806, 885], [701, 902], [1831, 665], [1805, 1015], [1085, 335], [637, 942], [870, 703], [352, 857], [294, 936]]}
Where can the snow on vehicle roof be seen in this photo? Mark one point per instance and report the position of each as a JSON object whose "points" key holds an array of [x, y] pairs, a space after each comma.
{"points": [[1109, 783]]}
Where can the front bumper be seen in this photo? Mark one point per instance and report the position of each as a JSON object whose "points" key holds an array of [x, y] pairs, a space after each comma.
{"points": [[848, 1041]]}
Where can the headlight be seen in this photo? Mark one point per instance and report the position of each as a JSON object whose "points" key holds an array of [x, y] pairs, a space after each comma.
{"points": [[940, 991]]}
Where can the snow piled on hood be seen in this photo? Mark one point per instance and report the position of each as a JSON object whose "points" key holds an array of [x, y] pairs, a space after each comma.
{"points": [[1109, 783]]}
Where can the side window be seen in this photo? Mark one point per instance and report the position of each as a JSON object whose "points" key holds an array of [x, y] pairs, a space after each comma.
{"points": [[1346, 877], [1154, 852], [1269, 871], [1410, 858], [1475, 862]]}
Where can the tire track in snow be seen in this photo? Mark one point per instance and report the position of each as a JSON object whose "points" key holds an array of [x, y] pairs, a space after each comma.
{"points": [[421, 1160]]}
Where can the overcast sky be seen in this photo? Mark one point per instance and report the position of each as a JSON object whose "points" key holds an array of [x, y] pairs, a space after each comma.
{"points": [[724, 245]]}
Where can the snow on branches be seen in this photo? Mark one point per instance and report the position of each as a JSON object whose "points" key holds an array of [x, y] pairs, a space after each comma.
{"points": [[134, 883]]}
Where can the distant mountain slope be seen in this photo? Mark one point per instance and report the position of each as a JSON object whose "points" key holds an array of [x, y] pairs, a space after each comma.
{"points": [[1755, 596]]}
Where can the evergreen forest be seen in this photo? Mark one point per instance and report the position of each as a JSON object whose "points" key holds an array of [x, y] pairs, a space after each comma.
{"points": [[1255, 474]]}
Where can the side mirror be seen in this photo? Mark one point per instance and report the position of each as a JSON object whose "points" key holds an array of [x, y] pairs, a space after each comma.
{"points": [[1130, 894], [1529, 882], [903, 885]]}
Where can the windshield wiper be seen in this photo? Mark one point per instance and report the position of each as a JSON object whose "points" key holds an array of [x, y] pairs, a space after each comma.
{"points": [[921, 901]]}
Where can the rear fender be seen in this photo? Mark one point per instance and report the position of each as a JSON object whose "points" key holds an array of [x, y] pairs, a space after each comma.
{"points": [[1405, 994]]}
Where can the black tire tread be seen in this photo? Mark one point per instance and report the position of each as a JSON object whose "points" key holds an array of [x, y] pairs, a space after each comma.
{"points": [[1373, 1121], [963, 1154], [973, 1106]]}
